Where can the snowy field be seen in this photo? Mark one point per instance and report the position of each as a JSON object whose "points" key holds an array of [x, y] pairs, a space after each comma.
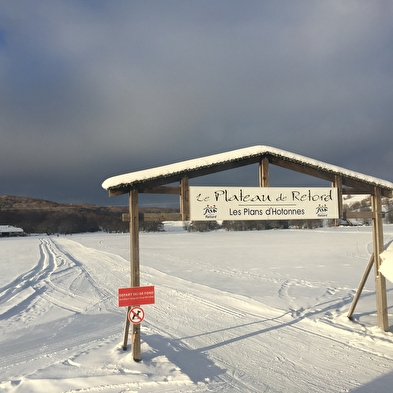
{"points": [[235, 312]]}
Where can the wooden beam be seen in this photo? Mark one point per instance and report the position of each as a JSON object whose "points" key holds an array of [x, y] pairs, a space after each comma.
{"points": [[358, 215], [264, 180], [353, 191], [160, 217], [190, 174], [125, 217], [161, 190], [361, 188], [152, 185], [117, 192], [184, 199], [386, 193], [380, 281], [355, 184], [293, 166]]}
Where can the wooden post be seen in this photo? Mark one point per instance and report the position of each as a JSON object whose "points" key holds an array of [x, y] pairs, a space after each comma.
{"points": [[380, 281], [264, 172], [184, 199], [134, 274], [338, 183]]}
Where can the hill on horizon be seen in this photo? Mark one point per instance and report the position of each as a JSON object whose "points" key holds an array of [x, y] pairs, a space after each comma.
{"points": [[36, 215]]}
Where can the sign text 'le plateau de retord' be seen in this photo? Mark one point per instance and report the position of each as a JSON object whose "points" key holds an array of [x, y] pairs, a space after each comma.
{"points": [[262, 203]]}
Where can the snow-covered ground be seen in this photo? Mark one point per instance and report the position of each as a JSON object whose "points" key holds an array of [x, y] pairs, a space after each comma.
{"points": [[235, 312]]}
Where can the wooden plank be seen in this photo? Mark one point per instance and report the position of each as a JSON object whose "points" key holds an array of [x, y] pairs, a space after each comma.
{"points": [[264, 180], [125, 217], [358, 185], [161, 190], [160, 216], [117, 192], [176, 177], [353, 191], [380, 281], [358, 215], [387, 193], [293, 166], [365, 190]]}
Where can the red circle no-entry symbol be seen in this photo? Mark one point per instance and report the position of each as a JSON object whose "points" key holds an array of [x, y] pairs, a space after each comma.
{"points": [[136, 315]]}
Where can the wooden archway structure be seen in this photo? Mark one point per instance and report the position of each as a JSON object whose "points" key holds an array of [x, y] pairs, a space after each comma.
{"points": [[156, 181]]}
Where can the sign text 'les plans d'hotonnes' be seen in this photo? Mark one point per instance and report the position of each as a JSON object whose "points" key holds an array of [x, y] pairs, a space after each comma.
{"points": [[262, 203]]}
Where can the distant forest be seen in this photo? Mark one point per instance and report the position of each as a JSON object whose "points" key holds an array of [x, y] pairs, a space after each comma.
{"points": [[41, 216]]}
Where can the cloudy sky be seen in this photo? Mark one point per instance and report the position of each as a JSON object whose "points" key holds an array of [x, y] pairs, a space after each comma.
{"points": [[91, 89]]}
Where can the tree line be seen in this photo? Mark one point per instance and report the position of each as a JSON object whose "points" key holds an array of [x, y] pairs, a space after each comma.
{"points": [[41, 216]]}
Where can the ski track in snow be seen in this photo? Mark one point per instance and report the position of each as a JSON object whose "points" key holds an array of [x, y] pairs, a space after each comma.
{"points": [[248, 321], [50, 284], [196, 337]]}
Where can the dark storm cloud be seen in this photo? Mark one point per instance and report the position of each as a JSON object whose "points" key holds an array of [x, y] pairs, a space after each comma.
{"points": [[91, 89]]}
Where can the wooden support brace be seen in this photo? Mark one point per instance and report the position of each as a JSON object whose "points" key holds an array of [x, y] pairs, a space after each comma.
{"points": [[126, 330], [361, 286]]}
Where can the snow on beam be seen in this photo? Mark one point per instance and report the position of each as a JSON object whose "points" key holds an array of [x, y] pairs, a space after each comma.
{"points": [[155, 177]]}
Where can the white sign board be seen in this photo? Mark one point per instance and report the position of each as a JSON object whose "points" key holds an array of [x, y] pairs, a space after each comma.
{"points": [[262, 203]]}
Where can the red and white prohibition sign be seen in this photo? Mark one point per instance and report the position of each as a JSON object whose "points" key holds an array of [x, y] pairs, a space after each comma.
{"points": [[136, 315]]}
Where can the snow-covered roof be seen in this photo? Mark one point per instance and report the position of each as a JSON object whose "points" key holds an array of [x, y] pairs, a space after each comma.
{"points": [[219, 162], [10, 229]]}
